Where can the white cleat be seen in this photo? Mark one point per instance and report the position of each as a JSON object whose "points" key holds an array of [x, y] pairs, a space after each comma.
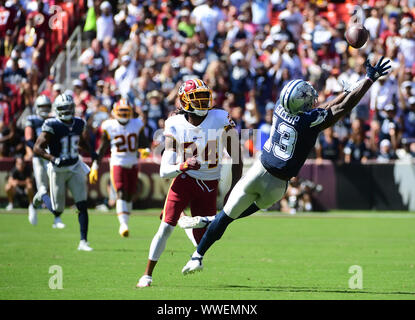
{"points": [[32, 215], [58, 224], [84, 246], [186, 222], [9, 207], [145, 281], [124, 230], [193, 265], [37, 199]]}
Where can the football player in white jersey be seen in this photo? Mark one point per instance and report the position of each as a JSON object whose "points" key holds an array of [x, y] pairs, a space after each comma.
{"points": [[195, 140], [124, 135], [33, 128]]}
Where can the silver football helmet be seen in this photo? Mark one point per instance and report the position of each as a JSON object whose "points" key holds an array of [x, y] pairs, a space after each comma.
{"points": [[64, 107], [298, 96], [43, 106]]}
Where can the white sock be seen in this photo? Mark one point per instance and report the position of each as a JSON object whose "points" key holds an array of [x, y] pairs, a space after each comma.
{"points": [[121, 206], [196, 255], [189, 233], [123, 218], [158, 244]]}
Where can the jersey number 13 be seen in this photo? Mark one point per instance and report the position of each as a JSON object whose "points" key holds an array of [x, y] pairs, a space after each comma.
{"points": [[284, 147]]}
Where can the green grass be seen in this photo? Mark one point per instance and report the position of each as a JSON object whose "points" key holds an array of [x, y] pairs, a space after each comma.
{"points": [[261, 257]]}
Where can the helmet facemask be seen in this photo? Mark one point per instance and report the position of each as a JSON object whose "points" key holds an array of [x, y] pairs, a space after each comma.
{"points": [[196, 97], [65, 112], [123, 114], [43, 111], [122, 111]]}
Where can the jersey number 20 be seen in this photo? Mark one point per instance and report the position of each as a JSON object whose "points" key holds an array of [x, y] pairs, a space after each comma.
{"points": [[284, 148]]}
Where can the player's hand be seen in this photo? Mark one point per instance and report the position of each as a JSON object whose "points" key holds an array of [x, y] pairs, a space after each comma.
{"points": [[144, 153], [377, 71], [93, 174], [190, 164]]}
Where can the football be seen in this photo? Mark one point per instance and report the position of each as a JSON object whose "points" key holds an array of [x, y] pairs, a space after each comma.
{"points": [[357, 35]]}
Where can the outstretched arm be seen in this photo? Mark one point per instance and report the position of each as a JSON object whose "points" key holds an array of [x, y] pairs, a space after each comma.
{"points": [[345, 105]]}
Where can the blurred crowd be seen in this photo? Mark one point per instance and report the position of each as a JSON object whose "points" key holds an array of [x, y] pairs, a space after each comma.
{"points": [[246, 51]]}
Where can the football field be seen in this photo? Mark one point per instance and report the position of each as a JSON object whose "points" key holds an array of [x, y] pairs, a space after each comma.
{"points": [[268, 256]]}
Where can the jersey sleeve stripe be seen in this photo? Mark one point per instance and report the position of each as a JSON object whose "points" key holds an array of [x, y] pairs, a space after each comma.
{"points": [[291, 91]]}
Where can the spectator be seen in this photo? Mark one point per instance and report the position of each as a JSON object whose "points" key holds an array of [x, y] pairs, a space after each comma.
{"points": [[356, 150], [208, 16], [125, 74], [19, 185], [408, 119], [105, 23], [386, 152], [328, 146]]}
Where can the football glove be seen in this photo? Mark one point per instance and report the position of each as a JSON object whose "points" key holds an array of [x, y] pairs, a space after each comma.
{"points": [[190, 164], [93, 174], [377, 71], [144, 152]]}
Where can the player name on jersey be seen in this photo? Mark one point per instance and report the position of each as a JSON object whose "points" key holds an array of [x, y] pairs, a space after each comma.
{"points": [[292, 119]]}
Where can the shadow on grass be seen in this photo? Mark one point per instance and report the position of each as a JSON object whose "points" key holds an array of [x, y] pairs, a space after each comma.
{"points": [[308, 289]]}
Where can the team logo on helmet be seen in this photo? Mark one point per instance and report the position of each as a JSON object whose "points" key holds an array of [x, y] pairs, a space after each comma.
{"points": [[122, 111], [298, 96], [195, 97]]}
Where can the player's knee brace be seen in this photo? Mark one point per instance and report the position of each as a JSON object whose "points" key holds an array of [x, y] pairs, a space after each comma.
{"points": [[159, 241], [122, 206]]}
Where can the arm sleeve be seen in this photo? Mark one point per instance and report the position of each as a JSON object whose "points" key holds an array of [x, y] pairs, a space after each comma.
{"points": [[169, 168]]}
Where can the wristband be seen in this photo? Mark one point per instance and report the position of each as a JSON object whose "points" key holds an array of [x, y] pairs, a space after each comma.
{"points": [[94, 166], [369, 78]]}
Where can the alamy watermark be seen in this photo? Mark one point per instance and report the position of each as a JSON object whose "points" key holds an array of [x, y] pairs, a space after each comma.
{"points": [[356, 280], [56, 280]]}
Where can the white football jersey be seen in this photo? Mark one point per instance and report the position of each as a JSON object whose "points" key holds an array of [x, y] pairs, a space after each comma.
{"points": [[124, 141], [207, 141]]}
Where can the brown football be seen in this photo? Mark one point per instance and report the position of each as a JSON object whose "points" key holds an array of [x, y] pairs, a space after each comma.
{"points": [[357, 35]]}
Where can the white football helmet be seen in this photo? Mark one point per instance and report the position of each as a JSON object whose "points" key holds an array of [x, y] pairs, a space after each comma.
{"points": [[43, 106], [64, 107], [298, 96]]}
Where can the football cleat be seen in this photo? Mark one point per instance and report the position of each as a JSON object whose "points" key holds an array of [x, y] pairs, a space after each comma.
{"points": [[37, 200], [32, 215], [124, 230], [186, 222], [84, 246], [58, 224], [193, 265], [145, 281]]}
